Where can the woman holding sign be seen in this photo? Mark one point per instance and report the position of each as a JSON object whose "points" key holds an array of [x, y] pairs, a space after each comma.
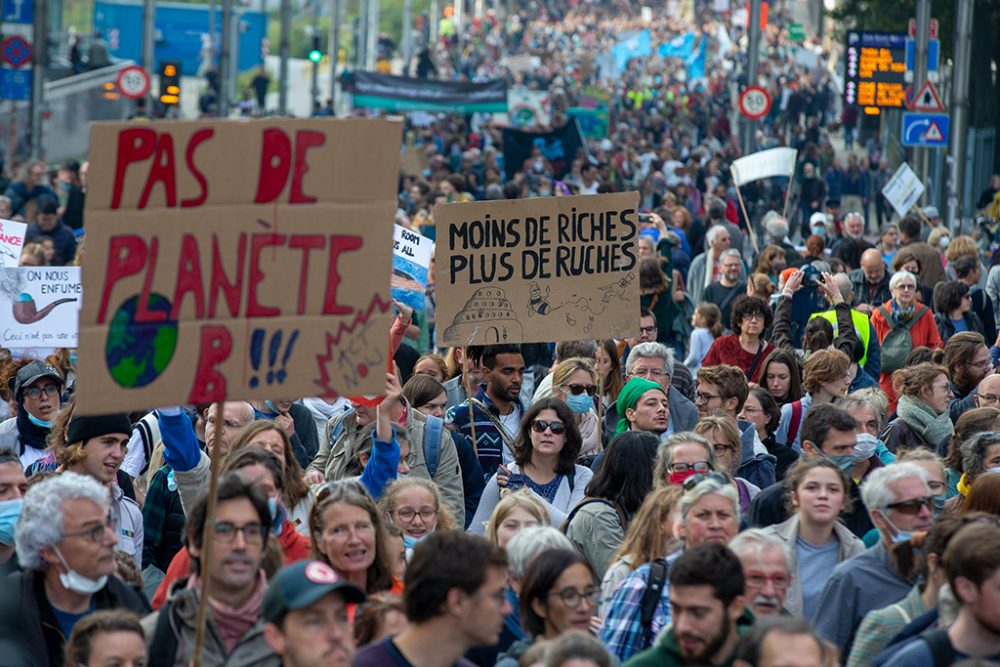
{"points": [[545, 450]]}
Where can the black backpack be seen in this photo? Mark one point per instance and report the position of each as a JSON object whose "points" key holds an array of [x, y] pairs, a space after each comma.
{"points": [[940, 645], [658, 571]]}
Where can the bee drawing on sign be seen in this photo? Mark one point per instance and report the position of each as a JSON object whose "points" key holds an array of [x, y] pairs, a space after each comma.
{"points": [[537, 301], [617, 289]]}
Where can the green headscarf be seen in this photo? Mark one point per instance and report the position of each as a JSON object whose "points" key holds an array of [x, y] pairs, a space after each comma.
{"points": [[629, 396]]}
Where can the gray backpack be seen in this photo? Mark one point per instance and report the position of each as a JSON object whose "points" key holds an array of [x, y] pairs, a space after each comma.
{"points": [[898, 343]]}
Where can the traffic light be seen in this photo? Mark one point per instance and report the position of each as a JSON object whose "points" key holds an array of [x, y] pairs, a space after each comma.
{"points": [[170, 82], [316, 54]]}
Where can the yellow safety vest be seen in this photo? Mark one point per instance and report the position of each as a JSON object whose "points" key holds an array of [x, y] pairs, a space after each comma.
{"points": [[861, 324]]}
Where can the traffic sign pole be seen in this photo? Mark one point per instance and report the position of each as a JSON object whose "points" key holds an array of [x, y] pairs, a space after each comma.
{"points": [[959, 109], [40, 40], [923, 26]]}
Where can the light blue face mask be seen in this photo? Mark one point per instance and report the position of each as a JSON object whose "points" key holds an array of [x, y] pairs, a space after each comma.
{"points": [[38, 422], [409, 541], [845, 462], [277, 516], [579, 403], [10, 511], [938, 505]]}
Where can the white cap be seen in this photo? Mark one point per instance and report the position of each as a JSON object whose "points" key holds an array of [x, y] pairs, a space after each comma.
{"points": [[818, 216]]}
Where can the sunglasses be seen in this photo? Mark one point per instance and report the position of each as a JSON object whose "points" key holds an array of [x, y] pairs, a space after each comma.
{"points": [[539, 426], [913, 506], [720, 477], [577, 389]]}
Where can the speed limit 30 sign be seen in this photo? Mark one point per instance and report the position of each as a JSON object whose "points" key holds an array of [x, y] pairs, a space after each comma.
{"points": [[133, 82], [755, 103]]}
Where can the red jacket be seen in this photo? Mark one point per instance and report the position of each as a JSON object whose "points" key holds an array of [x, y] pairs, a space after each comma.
{"points": [[294, 547], [924, 334]]}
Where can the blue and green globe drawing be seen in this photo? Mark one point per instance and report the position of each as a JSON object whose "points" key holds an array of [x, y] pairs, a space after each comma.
{"points": [[138, 352]]}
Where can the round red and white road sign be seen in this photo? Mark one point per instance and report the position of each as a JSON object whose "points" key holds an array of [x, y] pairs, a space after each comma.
{"points": [[133, 82], [755, 103]]}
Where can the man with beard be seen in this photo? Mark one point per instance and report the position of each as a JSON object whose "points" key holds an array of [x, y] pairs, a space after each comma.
{"points": [[766, 574], [968, 362], [496, 407], [306, 609], [240, 535], [853, 244], [730, 285], [708, 614]]}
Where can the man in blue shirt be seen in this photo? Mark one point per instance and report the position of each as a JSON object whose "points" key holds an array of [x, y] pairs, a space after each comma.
{"points": [[899, 503]]}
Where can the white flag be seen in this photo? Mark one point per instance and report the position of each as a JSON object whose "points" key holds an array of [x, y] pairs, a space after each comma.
{"points": [[764, 164]]}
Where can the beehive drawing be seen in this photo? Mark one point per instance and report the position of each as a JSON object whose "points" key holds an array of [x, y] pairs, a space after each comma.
{"points": [[486, 318]]}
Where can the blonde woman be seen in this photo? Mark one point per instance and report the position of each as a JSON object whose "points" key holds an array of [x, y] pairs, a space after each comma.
{"points": [[414, 506], [515, 512], [649, 536], [574, 381]]}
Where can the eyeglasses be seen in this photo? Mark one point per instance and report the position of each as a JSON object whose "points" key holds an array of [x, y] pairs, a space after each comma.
{"points": [[754, 316], [985, 363], [720, 477], [702, 397], [699, 467], [912, 506], [34, 393], [906, 287], [407, 514], [648, 373], [989, 398], [648, 330], [759, 579], [95, 534], [539, 426], [225, 531], [722, 450], [572, 597], [577, 389]]}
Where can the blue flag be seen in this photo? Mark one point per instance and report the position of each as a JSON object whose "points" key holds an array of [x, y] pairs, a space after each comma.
{"points": [[635, 46], [678, 47], [696, 62]]}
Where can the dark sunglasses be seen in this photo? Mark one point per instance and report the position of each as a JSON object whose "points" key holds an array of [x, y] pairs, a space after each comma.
{"points": [[539, 426], [913, 506], [720, 477], [577, 389]]}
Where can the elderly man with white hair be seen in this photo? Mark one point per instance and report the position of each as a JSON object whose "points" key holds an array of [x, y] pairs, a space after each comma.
{"points": [[705, 268], [66, 545], [766, 574], [899, 502], [777, 229]]}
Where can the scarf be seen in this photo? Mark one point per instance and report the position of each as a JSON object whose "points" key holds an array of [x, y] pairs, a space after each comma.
{"points": [[902, 315], [29, 433], [235, 622], [921, 418], [629, 396]]}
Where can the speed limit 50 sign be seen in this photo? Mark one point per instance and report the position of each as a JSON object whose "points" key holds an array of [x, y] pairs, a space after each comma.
{"points": [[133, 82], [755, 103]]}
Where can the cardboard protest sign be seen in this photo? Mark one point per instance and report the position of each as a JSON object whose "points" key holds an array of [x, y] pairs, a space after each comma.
{"points": [[236, 260], [414, 160], [411, 264], [535, 270], [40, 306], [11, 242], [903, 190]]}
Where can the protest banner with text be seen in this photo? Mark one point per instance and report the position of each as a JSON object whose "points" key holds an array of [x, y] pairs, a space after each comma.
{"points": [[236, 260], [40, 306], [537, 270]]}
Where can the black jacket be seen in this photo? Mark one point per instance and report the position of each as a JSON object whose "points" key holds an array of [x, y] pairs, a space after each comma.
{"points": [[865, 292], [28, 623], [769, 508]]}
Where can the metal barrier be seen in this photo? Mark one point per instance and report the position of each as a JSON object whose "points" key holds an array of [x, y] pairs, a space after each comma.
{"points": [[71, 105]]}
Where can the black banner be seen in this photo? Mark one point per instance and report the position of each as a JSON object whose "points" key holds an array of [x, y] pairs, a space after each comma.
{"points": [[400, 93], [558, 146]]}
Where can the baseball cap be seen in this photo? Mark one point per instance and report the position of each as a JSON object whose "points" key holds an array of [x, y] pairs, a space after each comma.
{"points": [[301, 584], [31, 373]]}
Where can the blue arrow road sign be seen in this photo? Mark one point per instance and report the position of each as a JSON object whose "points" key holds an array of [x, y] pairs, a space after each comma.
{"points": [[18, 11], [927, 130]]}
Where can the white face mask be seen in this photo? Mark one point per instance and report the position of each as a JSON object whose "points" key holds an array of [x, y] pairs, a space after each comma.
{"points": [[72, 580], [994, 470], [865, 447]]}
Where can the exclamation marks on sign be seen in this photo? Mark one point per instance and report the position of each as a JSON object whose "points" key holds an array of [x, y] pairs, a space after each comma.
{"points": [[275, 374]]}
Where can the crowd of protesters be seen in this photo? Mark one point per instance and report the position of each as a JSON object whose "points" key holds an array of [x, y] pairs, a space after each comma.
{"points": [[796, 460]]}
